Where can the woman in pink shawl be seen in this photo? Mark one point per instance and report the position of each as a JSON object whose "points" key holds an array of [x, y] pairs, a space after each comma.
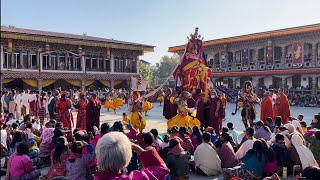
{"points": [[114, 152], [46, 144]]}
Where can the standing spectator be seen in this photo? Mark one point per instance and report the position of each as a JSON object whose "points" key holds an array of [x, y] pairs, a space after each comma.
{"points": [[216, 112]]}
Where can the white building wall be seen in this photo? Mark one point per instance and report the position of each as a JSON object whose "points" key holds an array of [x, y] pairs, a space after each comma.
{"points": [[238, 82], [289, 82], [268, 81], [305, 80]]}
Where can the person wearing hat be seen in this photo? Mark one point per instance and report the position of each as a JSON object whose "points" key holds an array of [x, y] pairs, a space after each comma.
{"points": [[136, 119], [63, 106], [81, 117]]}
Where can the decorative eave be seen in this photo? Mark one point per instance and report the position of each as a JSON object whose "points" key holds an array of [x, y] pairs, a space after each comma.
{"points": [[255, 36], [75, 42], [267, 73], [75, 76]]}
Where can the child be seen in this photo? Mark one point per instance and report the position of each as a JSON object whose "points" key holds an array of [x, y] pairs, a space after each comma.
{"points": [[233, 132], [303, 126], [300, 117], [278, 120], [125, 118]]}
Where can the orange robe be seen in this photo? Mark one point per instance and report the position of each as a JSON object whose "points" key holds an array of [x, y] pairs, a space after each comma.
{"points": [[282, 108], [266, 109]]}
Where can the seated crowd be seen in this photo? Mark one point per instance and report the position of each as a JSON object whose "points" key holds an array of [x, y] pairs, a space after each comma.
{"points": [[121, 152]]}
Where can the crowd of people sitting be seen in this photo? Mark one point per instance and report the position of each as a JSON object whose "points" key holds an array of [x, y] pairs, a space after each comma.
{"points": [[120, 151]]}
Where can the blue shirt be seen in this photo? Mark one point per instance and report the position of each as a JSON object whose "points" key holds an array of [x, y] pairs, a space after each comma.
{"points": [[252, 163]]}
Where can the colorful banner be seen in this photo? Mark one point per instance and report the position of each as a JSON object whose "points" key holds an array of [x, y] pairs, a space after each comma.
{"points": [[297, 52], [270, 55], [224, 60], [138, 84], [245, 57]]}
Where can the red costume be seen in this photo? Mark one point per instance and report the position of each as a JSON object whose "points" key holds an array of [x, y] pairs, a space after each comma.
{"points": [[216, 120], [81, 117], [169, 109], [266, 109], [93, 114], [64, 115], [282, 108]]}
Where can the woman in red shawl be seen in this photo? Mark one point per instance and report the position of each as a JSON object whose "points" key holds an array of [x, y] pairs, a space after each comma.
{"points": [[81, 117], [93, 113], [63, 106]]}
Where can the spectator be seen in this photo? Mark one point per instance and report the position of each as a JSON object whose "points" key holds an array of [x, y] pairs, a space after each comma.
{"points": [[26, 120], [233, 133], [177, 160], [299, 154], [58, 156], [303, 126], [311, 173], [262, 131], [300, 117], [186, 140], [270, 166], [281, 151], [20, 165], [278, 120], [196, 137], [157, 141], [314, 143], [253, 160], [114, 152], [315, 122], [247, 145], [270, 124], [226, 152], [77, 163], [206, 159]]}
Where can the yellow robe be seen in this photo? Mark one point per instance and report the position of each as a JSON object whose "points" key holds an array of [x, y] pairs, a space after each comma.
{"points": [[147, 106]]}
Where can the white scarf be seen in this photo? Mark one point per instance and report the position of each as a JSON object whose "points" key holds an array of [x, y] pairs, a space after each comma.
{"points": [[305, 155]]}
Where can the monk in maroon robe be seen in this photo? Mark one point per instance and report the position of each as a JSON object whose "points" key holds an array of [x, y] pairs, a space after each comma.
{"points": [[202, 107], [93, 113], [216, 113]]}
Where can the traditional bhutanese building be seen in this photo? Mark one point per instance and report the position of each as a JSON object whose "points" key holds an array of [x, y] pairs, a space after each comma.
{"points": [[287, 58], [46, 60]]}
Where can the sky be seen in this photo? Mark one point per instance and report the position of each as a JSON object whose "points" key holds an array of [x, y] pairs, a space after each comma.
{"points": [[161, 23]]}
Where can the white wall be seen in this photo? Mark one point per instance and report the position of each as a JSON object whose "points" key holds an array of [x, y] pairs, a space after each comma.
{"points": [[238, 82], [268, 81], [305, 82], [289, 82]]}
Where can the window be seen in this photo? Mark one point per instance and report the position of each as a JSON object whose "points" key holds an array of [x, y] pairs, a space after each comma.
{"points": [[88, 63], [101, 64], [62, 61], [116, 64], [94, 64], [107, 64], [33, 59], [16, 59], [5, 58], [70, 62], [121, 65], [53, 61], [77, 65], [24, 56], [45, 61]]}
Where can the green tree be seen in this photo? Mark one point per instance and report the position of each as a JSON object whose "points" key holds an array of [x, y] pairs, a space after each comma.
{"points": [[145, 72], [165, 67]]}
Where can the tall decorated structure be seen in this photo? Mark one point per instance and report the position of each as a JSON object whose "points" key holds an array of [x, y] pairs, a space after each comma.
{"points": [[193, 73]]}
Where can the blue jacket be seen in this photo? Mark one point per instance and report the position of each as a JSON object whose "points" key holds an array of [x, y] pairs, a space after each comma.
{"points": [[253, 163]]}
